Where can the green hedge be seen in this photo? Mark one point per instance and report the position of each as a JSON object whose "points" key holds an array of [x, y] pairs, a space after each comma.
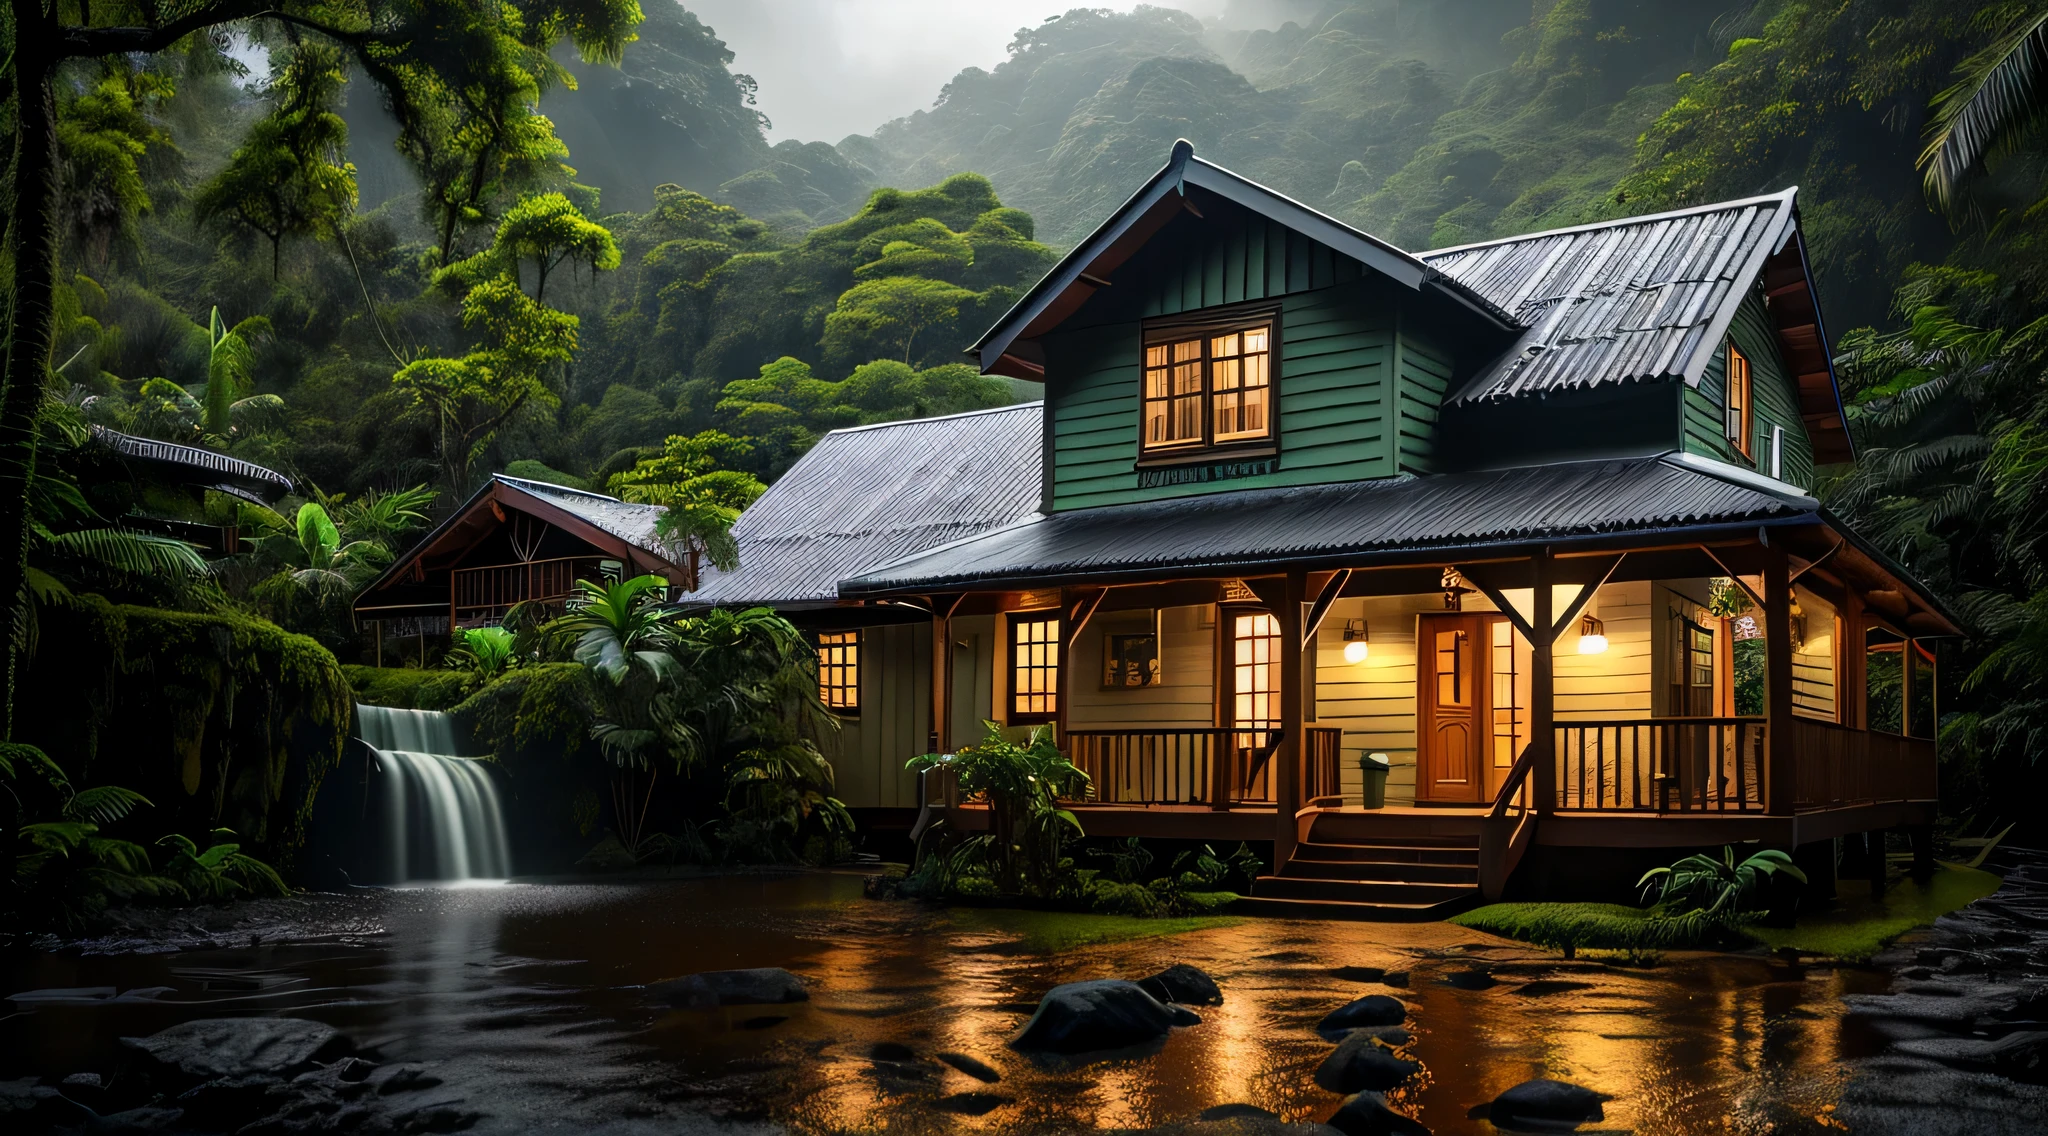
{"points": [[410, 688]]}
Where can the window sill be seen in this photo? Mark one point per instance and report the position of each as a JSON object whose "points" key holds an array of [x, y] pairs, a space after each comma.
{"points": [[1207, 456]]}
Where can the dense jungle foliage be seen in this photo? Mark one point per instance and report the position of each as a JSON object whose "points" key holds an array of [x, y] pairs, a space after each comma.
{"points": [[389, 249]]}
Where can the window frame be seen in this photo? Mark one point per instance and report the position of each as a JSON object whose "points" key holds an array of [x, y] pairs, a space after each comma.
{"points": [[1204, 328], [1016, 621], [825, 642], [1741, 432]]}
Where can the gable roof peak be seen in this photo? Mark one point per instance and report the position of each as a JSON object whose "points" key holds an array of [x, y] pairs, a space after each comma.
{"points": [[1079, 274]]}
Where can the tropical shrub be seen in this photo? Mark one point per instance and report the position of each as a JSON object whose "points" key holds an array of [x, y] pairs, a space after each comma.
{"points": [[1722, 890], [219, 872], [485, 651], [1022, 782]]}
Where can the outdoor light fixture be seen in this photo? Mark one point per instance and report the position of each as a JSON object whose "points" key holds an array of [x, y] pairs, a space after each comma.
{"points": [[1357, 642], [1592, 636]]}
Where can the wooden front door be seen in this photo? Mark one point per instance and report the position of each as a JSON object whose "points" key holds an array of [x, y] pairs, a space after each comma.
{"points": [[1451, 699]]}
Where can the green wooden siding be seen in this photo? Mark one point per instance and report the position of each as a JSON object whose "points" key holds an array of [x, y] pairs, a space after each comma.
{"points": [[1776, 397], [1229, 258], [1336, 404], [1423, 372]]}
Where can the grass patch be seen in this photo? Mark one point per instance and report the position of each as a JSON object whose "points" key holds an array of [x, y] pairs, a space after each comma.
{"points": [[1857, 928], [1574, 927], [1050, 931], [1852, 930]]}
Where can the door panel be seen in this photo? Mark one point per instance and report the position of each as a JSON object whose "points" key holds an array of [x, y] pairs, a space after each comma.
{"points": [[1451, 707]]}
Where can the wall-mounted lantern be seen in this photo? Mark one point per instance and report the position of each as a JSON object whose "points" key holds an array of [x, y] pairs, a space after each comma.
{"points": [[1592, 636], [1357, 641]]}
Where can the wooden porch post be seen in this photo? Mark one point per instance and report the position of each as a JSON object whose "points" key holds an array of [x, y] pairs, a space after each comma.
{"points": [[1287, 756], [1781, 762], [1542, 684], [942, 671]]}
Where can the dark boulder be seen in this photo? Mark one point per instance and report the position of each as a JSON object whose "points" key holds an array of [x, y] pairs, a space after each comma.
{"points": [[1359, 973], [26, 1106], [762, 986], [891, 1051], [974, 1067], [1367, 1115], [1543, 1106], [972, 1104], [1470, 980], [1236, 1112], [1365, 1013], [1361, 1064], [1107, 1013], [1184, 984], [240, 1047]]}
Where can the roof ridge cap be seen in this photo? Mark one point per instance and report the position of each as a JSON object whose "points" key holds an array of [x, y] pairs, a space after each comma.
{"points": [[523, 482], [1787, 195], [935, 417]]}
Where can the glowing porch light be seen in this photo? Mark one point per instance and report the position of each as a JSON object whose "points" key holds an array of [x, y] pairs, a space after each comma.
{"points": [[1357, 641], [1592, 636]]}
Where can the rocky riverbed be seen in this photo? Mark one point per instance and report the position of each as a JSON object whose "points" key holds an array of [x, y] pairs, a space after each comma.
{"points": [[569, 1007]]}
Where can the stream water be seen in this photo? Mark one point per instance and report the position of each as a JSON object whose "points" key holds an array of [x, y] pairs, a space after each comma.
{"points": [[525, 1001]]}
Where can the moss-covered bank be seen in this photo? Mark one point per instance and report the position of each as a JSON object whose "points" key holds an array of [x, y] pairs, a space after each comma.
{"points": [[221, 720], [1851, 929]]}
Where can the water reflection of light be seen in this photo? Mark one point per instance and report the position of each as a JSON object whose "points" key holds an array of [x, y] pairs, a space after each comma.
{"points": [[449, 885]]}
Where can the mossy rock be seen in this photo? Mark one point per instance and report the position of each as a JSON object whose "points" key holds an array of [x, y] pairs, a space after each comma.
{"points": [[221, 720]]}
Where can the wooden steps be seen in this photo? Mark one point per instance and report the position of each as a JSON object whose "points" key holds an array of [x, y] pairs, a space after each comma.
{"points": [[1409, 874]]}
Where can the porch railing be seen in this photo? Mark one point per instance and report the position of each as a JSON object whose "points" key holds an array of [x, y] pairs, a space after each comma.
{"points": [[1662, 765], [485, 594], [1216, 767], [1839, 766]]}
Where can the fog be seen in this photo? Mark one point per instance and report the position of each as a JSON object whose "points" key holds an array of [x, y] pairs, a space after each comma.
{"points": [[829, 68]]}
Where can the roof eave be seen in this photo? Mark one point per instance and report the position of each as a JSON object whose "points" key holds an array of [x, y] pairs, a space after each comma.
{"points": [[1411, 554]]}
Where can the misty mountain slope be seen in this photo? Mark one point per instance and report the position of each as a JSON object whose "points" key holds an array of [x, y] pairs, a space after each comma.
{"points": [[1398, 116]]}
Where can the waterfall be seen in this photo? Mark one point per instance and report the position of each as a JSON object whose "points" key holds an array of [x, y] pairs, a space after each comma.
{"points": [[441, 810]]}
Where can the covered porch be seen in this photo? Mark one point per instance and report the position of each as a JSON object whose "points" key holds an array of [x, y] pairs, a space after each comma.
{"points": [[1678, 688]]}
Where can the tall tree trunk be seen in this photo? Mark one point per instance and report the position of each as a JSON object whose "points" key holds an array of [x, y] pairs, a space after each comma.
{"points": [[31, 246]]}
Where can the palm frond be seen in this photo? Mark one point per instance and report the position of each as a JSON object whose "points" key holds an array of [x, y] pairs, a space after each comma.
{"points": [[2002, 92], [131, 553], [103, 804]]}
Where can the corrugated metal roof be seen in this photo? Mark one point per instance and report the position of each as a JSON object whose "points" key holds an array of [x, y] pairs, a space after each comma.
{"points": [[1262, 527], [629, 522], [1621, 301], [870, 495], [234, 476]]}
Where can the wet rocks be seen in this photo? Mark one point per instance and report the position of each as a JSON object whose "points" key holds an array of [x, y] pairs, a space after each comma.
{"points": [[1361, 1064], [1106, 1013], [1364, 1013], [1543, 1106], [1367, 1115], [1236, 1112], [1472, 979], [973, 1066], [762, 986], [239, 1047], [1967, 1020], [972, 1104], [1184, 984]]}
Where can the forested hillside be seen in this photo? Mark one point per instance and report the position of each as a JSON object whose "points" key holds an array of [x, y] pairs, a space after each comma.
{"points": [[604, 275]]}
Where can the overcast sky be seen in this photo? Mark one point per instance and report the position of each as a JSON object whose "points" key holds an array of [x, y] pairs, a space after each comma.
{"points": [[829, 68]]}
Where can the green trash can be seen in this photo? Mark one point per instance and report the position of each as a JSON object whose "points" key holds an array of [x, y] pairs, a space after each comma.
{"points": [[1374, 766]]}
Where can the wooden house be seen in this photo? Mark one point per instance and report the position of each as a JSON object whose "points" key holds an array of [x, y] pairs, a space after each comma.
{"points": [[1532, 521], [160, 487], [514, 541]]}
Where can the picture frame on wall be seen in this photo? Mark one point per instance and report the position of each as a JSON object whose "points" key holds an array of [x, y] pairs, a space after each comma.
{"points": [[1130, 662]]}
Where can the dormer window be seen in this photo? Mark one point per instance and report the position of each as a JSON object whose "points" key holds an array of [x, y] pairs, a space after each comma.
{"points": [[1741, 415], [1208, 386]]}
